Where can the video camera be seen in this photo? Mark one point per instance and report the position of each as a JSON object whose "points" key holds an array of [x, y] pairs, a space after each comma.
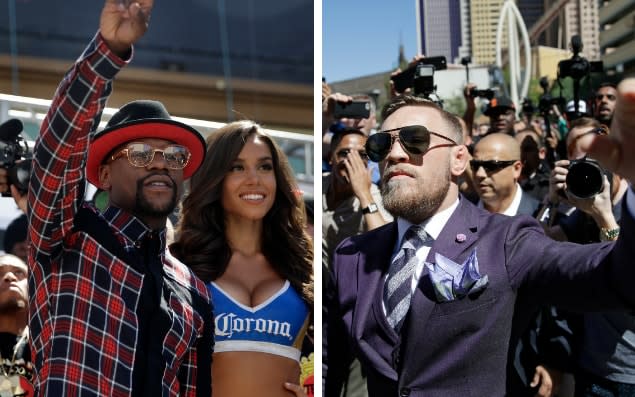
{"points": [[14, 155], [577, 66], [420, 78], [546, 101], [476, 93]]}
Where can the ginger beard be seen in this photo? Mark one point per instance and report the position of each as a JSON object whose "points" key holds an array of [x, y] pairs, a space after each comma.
{"points": [[418, 198]]}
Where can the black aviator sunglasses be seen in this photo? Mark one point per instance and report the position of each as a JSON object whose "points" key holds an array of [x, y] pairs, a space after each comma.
{"points": [[490, 165], [415, 139]]}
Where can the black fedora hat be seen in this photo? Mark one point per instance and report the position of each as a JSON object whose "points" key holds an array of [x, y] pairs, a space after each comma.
{"points": [[138, 120]]}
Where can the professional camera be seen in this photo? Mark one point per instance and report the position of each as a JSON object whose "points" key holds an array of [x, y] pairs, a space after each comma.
{"points": [[14, 155], [420, 77], [585, 178], [487, 93], [546, 101], [578, 67]]}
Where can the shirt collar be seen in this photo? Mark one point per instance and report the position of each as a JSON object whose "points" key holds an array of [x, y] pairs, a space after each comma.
{"points": [[433, 225], [512, 210], [131, 227]]}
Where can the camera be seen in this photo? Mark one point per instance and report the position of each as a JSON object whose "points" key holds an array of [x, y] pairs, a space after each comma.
{"points": [[487, 93], [585, 178], [578, 67], [420, 77], [352, 110], [546, 102], [14, 155]]}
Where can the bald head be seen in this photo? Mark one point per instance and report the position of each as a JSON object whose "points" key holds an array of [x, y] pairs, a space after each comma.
{"points": [[496, 167], [504, 146]]}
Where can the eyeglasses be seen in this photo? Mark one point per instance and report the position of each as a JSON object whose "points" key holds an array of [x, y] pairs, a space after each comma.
{"points": [[490, 165], [141, 155], [415, 139], [342, 154]]}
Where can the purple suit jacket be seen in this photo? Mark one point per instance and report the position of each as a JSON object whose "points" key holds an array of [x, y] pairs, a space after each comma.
{"points": [[460, 347]]}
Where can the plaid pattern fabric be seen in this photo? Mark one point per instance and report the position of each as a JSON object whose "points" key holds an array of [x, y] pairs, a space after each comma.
{"points": [[83, 299]]}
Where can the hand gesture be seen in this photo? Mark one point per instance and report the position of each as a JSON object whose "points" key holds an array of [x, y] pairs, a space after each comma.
{"points": [[542, 379], [359, 176], [615, 151], [328, 109], [557, 180], [123, 22]]}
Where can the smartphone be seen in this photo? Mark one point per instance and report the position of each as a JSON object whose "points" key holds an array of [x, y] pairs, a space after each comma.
{"points": [[352, 110], [405, 79]]}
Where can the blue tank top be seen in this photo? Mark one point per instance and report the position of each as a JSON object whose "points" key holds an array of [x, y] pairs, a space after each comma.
{"points": [[276, 326]]}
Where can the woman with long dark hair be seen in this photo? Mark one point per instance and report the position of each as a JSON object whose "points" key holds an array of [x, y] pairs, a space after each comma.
{"points": [[242, 232]]}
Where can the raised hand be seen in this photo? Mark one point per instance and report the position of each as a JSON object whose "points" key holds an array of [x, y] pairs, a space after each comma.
{"points": [[615, 151], [123, 22]]}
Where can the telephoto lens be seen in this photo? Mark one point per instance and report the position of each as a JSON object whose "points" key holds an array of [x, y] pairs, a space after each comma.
{"points": [[585, 178]]}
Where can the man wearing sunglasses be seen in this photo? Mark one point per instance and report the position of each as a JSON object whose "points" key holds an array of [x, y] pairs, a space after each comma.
{"points": [[112, 312], [496, 168], [426, 302]]}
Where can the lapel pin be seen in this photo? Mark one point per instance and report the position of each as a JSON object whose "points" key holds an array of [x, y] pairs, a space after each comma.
{"points": [[460, 238]]}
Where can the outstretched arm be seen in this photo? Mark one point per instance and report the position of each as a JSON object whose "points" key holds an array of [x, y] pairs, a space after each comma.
{"points": [[57, 184]]}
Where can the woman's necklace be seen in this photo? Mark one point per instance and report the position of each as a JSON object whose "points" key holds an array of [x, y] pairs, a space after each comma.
{"points": [[15, 385]]}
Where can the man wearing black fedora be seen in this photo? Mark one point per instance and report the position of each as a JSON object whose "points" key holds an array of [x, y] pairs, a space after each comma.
{"points": [[112, 313]]}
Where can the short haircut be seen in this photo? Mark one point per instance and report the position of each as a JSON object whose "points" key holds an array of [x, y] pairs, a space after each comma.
{"points": [[408, 100], [606, 84], [584, 122], [339, 135]]}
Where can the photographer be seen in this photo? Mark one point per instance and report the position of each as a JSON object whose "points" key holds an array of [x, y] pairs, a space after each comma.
{"points": [[592, 214], [604, 355], [351, 204], [500, 110], [332, 121]]}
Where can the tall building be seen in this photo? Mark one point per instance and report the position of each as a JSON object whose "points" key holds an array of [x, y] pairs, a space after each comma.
{"points": [[577, 17], [484, 16], [617, 42], [442, 28]]}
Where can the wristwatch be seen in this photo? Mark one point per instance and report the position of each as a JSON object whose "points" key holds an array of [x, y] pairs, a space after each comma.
{"points": [[609, 234], [371, 209]]}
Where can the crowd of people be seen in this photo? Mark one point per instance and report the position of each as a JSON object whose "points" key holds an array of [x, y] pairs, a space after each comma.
{"points": [[454, 273], [118, 303], [458, 257]]}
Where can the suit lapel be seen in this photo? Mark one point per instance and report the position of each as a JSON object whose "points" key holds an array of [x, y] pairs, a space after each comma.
{"points": [[370, 326]]}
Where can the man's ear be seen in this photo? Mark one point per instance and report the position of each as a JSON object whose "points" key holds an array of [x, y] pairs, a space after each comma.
{"points": [[105, 173], [458, 161], [518, 168], [542, 153]]}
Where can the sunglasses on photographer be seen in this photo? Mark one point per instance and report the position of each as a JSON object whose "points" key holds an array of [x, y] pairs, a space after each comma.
{"points": [[490, 165], [415, 139], [141, 155]]}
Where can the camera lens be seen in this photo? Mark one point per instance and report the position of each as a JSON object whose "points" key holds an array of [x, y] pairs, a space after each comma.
{"points": [[585, 178]]}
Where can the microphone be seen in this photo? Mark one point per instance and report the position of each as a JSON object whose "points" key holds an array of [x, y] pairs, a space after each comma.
{"points": [[10, 129]]}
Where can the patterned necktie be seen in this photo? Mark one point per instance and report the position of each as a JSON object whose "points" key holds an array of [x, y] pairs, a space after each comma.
{"points": [[398, 287]]}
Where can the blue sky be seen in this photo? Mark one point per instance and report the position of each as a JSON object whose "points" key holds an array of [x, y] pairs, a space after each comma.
{"points": [[361, 37]]}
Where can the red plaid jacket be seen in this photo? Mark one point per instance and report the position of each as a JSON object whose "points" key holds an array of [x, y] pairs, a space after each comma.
{"points": [[83, 299]]}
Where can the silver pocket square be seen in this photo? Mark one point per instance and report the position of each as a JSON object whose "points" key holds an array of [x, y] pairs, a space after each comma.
{"points": [[454, 281]]}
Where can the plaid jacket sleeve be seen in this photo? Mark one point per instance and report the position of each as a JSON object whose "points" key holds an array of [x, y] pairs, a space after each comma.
{"points": [[57, 183]]}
